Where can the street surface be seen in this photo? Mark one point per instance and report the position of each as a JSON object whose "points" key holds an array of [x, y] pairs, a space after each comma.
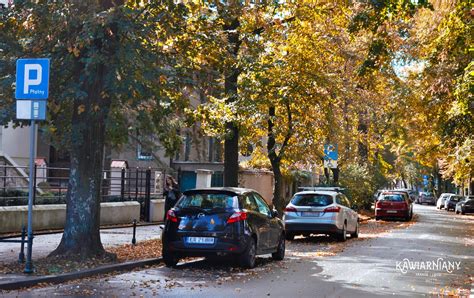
{"points": [[365, 268]]}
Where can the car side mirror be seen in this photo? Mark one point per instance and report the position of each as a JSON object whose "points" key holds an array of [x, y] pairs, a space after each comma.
{"points": [[275, 213]]}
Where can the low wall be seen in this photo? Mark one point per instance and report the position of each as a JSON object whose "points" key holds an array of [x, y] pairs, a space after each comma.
{"points": [[118, 213], [259, 180], [47, 217], [157, 210]]}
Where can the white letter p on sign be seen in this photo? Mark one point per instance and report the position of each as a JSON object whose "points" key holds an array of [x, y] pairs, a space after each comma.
{"points": [[31, 82]]}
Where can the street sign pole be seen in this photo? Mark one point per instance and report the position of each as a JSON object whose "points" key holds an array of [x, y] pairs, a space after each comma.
{"points": [[29, 264], [32, 89]]}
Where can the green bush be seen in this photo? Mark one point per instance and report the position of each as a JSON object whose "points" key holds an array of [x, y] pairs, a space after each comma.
{"points": [[361, 182]]}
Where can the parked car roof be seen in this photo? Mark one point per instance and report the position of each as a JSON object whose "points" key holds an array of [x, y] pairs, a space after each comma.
{"points": [[322, 192], [234, 190]]}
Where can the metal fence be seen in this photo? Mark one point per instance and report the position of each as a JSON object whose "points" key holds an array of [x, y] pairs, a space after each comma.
{"points": [[51, 183]]}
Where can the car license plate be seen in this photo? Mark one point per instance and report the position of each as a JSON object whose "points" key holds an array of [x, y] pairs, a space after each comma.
{"points": [[200, 240], [310, 214], [391, 211]]}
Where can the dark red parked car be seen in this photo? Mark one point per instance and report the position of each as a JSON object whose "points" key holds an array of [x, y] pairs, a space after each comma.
{"points": [[393, 204]]}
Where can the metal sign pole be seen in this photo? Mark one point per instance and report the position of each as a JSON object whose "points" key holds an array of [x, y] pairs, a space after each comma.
{"points": [[32, 89], [29, 264]]}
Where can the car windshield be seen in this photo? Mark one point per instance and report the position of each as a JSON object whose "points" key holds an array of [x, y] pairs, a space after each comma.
{"points": [[391, 197], [209, 201], [314, 200]]}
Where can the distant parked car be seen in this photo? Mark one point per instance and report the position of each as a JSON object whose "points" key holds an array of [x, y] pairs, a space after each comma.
{"points": [[466, 205], [427, 198], [413, 195], [442, 198], [410, 193], [394, 204], [213, 222], [451, 201], [320, 211]]}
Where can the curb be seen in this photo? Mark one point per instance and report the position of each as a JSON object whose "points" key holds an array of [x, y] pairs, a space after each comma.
{"points": [[55, 279]]}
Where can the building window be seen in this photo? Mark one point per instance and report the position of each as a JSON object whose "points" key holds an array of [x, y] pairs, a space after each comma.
{"points": [[214, 150], [187, 146], [143, 154]]}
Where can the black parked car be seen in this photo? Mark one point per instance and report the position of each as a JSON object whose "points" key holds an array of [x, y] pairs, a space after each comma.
{"points": [[465, 206], [222, 222]]}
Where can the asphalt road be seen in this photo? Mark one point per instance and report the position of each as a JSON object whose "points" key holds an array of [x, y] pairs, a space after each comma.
{"points": [[370, 268]]}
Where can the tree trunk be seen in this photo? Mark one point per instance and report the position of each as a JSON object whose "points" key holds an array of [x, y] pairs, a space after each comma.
{"points": [[81, 237], [275, 160], [278, 198], [231, 143]]}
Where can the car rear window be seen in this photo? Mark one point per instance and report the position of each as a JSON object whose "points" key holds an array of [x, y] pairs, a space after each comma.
{"points": [[454, 198], [314, 200], [391, 197], [209, 201]]}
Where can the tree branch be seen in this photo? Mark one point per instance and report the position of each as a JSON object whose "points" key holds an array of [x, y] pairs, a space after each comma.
{"points": [[289, 132], [260, 30]]}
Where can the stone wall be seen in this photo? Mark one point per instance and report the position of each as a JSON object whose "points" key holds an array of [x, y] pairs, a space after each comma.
{"points": [[48, 217], [259, 180]]}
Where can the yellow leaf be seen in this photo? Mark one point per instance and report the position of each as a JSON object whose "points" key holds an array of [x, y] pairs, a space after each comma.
{"points": [[81, 109]]}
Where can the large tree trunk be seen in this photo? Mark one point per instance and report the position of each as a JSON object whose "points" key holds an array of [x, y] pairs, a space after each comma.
{"points": [[275, 161], [81, 237], [231, 144], [278, 198]]}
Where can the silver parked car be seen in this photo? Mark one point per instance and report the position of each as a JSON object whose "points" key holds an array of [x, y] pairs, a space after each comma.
{"points": [[442, 198], [451, 201], [320, 211], [426, 198]]}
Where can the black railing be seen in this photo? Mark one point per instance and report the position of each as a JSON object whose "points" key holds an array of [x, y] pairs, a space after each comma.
{"points": [[51, 183]]}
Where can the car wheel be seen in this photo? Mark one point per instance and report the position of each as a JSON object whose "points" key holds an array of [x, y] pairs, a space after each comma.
{"points": [[407, 217], [462, 212], [290, 236], [377, 218], [456, 211], [170, 260], [356, 232], [247, 259], [342, 236], [280, 253]]}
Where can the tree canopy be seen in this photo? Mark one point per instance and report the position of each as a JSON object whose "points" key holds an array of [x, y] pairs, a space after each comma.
{"points": [[390, 82]]}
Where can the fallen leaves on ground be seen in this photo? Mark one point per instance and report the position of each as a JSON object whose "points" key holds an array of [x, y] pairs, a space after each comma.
{"points": [[143, 250], [57, 265], [374, 228]]}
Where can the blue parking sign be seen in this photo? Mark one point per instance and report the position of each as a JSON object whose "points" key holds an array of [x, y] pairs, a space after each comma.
{"points": [[330, 152], [32, 78]]}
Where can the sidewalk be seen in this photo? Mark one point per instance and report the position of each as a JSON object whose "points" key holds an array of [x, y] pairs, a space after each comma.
{"points": [[44, 244]]}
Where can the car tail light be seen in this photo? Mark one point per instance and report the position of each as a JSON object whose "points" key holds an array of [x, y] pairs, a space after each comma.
{"points": [[237, 216], [332, 209], [171, 216], [290, 209]]}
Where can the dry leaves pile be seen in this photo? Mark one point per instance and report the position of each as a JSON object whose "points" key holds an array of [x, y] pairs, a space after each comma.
{"points": [[54, 265], [58, 265], [143, 250], [322, 246]]}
